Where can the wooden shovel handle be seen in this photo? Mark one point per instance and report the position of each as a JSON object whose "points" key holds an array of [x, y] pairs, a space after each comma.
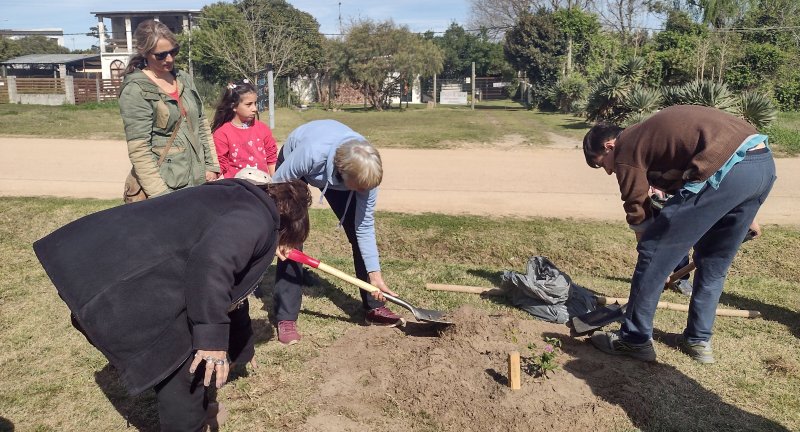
{"points": [[296, 255], [683, 271], [685, 308], [464, 289]]}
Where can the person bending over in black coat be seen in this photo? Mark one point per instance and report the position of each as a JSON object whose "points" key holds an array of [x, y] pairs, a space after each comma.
{"points": [[160, 286]]}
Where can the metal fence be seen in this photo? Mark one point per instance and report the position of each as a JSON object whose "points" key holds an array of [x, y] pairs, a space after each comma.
{"points": [[451, 91]]}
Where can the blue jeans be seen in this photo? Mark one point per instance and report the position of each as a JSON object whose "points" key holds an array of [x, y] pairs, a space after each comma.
{"points": [[714, 222]]}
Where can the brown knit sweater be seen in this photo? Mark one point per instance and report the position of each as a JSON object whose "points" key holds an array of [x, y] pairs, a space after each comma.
{"points": [[679, 144]]}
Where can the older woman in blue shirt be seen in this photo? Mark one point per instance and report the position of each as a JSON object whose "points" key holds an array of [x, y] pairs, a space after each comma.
{"points": [[347, 169]]}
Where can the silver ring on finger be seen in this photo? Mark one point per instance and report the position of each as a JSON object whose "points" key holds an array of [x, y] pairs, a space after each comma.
{"points": [[220, 362]]}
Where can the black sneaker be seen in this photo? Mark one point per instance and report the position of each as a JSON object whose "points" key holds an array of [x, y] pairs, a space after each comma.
{"points": [[609, 342]]}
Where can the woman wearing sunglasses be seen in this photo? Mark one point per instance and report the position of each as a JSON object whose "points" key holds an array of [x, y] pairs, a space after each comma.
{"points": [[169, 140]]}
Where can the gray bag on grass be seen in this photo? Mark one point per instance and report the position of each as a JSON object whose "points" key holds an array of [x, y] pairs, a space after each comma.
{"points": [[546, 292]]}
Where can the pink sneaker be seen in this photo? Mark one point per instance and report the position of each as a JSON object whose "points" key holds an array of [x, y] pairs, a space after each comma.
{"points": [[382, 316], [287, 332]]}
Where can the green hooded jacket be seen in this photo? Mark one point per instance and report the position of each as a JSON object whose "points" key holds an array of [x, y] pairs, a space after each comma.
{"points": [[150, 116]]}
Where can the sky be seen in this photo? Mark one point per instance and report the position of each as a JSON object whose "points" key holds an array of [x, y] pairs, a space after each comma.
{"points": [[74, 17]]}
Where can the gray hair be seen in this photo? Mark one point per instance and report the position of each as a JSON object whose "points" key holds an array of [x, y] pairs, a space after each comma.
{"points": [[147, 35], [359, 163]]}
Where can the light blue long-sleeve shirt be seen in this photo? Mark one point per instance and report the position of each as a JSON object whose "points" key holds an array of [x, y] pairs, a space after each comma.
{"points": [[308, 154]]}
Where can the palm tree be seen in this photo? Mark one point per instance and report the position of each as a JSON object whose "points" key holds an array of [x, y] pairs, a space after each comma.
{"points": [[710, 93], [605, 99], [757, 109]]}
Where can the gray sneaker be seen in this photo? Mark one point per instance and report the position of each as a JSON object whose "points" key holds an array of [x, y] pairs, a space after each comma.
{"points": [[609, 342], [701, 352]]}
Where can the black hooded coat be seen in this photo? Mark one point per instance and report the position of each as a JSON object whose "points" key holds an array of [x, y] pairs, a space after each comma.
{"points": [[150, 282]]}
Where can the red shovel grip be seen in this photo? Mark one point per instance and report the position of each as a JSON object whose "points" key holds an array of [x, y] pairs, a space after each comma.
{"points": [[296, 255]]}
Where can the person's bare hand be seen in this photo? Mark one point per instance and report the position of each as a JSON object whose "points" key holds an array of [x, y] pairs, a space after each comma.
{"points": [[282, 251], [657, 192], [211, 176], [376, 280], [756, 229], [216, 362]]}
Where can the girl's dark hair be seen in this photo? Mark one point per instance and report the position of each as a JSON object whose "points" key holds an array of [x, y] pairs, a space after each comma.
{"points": [[227, 102], [293, 200], [593, 142], [146, 36]]}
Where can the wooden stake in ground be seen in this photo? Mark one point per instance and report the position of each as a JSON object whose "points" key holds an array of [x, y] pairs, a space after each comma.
{"points": [[514, 370]]}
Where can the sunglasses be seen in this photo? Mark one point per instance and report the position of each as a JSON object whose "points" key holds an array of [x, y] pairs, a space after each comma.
{"points": [[163, 54]]}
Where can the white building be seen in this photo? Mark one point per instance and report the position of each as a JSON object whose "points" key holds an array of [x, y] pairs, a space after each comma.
{"points": [[117, 49]]}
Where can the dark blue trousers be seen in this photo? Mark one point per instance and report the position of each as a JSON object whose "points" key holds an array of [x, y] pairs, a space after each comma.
{"points": [[714, 222], [288, 293]]}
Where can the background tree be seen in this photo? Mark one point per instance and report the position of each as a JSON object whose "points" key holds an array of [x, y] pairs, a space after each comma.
{"points": [[378, 58], [238, 39], [95, 33], [536, 46], [623, 17], [8, 48], [32, 45], [498, 16], [460, 48]]}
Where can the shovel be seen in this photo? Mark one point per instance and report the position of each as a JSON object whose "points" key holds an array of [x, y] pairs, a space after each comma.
{"points": [[424, 315]]}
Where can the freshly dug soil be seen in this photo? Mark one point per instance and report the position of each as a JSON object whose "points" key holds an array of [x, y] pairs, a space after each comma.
{"points": [[428, 378]]}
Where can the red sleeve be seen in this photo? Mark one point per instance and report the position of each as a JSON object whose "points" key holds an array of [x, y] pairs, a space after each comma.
{"points": [[221, 143], [270, 147]]}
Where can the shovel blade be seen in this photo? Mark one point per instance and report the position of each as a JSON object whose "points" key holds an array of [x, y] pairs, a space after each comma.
{"points": [[597, 318], [424, 315], [431, 316]]}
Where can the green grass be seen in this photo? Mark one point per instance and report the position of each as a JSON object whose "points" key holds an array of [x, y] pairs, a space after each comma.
{"points": [[491, 124], [784, 134], [49, 373], [504, 123]]}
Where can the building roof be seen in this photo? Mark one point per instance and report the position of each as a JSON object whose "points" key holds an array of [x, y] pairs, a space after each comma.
{"points": [[50, 59], [32, 32], [148, 12]]}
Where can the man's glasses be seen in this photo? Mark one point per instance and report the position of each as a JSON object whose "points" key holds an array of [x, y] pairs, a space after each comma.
{"points": [[163, 54]]}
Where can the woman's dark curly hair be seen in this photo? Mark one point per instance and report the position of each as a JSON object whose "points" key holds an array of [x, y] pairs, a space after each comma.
{"points": [[293, 200]]}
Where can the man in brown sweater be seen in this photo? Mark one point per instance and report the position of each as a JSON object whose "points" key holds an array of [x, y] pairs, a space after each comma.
{"points": [[719, 171]]}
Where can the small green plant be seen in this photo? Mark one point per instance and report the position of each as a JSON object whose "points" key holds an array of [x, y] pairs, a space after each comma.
{"points": [[539, 364]]}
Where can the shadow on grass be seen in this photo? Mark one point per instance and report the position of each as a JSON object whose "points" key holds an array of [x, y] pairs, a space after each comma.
{"points": [[655, 396], [6, 425], [769, 312], [137, 411], [501, 107], [319, 288], [493, 278], [570, 123]]}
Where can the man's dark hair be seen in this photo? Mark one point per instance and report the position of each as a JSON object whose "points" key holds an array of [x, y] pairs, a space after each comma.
{"points": [[595, 138]]}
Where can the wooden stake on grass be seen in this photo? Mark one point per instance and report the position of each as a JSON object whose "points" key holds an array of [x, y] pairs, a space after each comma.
{"points": [[514, 370]]}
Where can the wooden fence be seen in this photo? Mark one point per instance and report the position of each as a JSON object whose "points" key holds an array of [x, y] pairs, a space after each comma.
{"points": [[96, 90], [40, 86]]}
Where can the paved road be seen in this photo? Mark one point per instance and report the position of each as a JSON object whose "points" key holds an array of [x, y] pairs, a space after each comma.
{"points": [[550, 182]]}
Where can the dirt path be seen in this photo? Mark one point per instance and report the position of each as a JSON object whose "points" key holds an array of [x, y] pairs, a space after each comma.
{"points": [[549, 182]]}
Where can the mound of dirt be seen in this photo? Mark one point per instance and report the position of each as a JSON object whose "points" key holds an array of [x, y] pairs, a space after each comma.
{"points": [[424, 378], [451, 379]]}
